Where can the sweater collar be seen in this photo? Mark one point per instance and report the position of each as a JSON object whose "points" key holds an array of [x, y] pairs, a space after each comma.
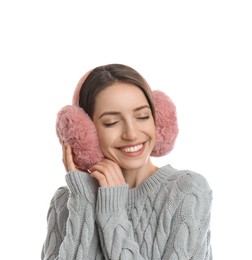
{"points": [[151, 184]]}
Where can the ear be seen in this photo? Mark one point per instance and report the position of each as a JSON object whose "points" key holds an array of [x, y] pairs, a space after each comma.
{"points": [[166, 123], [74, 127]]}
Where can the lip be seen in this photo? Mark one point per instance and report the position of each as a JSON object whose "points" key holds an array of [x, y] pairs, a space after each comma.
{"points": [[130, 145], [132, 153]]}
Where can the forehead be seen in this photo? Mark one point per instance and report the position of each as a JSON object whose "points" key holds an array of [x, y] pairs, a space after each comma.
{"points": [[120, 96]]}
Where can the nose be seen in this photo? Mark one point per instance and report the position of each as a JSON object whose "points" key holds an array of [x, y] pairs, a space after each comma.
{"points": [[129, 131]]}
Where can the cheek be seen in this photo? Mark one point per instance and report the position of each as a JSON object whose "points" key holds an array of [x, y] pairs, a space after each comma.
{"points": [[106, 139], [152, 129], [152, 133]]}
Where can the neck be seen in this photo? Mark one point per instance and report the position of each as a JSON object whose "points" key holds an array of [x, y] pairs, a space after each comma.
{"points": [[135, 177]]}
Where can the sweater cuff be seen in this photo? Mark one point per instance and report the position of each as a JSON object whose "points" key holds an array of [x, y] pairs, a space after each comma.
{"points": [[111, 199], [81, 183]]}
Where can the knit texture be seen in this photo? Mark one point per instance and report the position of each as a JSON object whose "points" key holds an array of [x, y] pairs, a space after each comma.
{"points": [[166, 217]]}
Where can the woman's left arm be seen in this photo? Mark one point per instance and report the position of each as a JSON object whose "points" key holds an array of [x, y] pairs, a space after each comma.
{"points": [[190, 236]]}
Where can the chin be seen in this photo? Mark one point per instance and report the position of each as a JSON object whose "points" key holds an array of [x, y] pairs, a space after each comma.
{"points": [[132, 162], [133, 165]]}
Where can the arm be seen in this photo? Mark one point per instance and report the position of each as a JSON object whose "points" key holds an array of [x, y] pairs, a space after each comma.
{"points": [[79, 237], [115, 230], [190, 236], [56, 219]]}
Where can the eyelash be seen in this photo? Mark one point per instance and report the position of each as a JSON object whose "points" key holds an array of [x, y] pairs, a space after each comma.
{"points": [[143, 117], [109, 124], [140, 118]]}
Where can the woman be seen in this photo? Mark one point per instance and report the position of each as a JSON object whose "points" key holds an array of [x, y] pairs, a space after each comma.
{"points": [[122, 206]]}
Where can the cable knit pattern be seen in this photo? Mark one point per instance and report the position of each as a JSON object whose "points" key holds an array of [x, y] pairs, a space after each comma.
{"points": [[166, 217]]}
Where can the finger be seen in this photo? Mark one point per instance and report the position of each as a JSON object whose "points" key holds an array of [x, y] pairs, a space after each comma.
{"points": [[106, 173], [111, 171], [115, 171], [100, 178], [69, 159], [64, 156]]}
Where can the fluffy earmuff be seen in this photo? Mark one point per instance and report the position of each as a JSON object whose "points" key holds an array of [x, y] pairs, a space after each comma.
{"points": [[74, 127], [166, 123]]}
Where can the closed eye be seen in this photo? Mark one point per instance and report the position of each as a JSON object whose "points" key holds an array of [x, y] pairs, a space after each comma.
{"points": [[143, 117], [109, 124]]}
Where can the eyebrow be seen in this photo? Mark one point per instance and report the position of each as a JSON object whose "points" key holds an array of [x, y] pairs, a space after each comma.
{"points": [[117, 113]]}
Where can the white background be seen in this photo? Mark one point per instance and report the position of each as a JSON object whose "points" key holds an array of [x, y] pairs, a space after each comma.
{"points": [[198, 52]]}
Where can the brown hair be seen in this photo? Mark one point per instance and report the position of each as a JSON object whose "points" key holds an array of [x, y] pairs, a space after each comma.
{"points": [[104, 76]]}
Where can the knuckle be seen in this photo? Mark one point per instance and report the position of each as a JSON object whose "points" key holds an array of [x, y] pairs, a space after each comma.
{"points": [[102, 177]]}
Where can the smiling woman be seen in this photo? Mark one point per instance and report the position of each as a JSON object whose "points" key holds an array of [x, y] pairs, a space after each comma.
{"points": [[126, 130], [118, 204]]}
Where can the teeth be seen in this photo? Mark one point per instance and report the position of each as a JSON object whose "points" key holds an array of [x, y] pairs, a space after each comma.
{"points": [[133, 148]]}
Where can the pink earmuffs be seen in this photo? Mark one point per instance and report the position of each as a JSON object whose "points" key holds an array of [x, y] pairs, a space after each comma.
{"points": [[75, 127]]}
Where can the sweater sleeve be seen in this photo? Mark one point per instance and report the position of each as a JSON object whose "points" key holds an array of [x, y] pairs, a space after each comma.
{"points": [[56, 220], [115, 230], [190, 230], [78, 237]]}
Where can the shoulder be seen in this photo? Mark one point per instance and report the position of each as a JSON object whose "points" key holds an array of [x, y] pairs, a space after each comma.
{"points": [[190, 194], [58, 211], [190, 181], [187, 181], [60, 198]]}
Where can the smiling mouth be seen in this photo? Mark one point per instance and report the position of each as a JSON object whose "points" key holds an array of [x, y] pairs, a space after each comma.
{"points": [[132, 149]]}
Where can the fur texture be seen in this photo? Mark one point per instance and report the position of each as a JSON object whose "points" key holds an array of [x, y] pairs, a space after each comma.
{"points": [[75, 128], [166, 123]]}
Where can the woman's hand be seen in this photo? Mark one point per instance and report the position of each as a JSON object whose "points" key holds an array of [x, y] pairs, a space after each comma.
{"points": [[67, 158], [107, 173]]}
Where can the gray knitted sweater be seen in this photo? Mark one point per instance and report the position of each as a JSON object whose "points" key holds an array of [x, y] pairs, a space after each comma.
{"points": [[165, 217]]}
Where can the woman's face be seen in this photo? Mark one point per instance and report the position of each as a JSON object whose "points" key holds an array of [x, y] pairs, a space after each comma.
{"points": [[125, 125]]}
